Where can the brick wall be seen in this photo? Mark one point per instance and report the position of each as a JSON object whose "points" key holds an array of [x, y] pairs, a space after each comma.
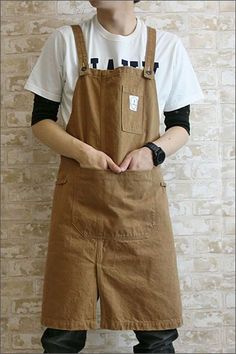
{"points": [[200, 177]]}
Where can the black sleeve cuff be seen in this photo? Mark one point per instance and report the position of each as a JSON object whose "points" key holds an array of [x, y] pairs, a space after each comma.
{"points": [[44, 109], [178, 117]]}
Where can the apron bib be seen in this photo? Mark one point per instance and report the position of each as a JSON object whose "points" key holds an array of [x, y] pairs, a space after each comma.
{"points": [[110, 234]]}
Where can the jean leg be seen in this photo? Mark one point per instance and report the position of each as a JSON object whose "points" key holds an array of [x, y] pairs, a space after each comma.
{"points": [[63, 341], [157, 341]]}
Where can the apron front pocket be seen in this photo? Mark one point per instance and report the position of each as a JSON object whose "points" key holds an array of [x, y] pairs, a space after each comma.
{"points": [[114, 206], [132, 120]]}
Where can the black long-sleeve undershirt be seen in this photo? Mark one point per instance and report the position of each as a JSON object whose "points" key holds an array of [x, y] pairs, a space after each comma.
{"points": [[47, 109]]}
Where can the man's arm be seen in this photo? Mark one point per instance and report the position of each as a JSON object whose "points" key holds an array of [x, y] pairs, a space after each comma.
{"points": [[172, 140], [54, 136], [177, 130]]}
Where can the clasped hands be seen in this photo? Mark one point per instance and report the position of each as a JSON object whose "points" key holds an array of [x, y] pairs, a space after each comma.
{"points": [[138, 159]]}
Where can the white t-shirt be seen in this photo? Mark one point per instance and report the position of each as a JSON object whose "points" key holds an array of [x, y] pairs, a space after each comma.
{"points": [[55, 72]]}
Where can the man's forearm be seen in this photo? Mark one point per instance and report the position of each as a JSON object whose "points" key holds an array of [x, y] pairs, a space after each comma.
{"points": [[54, 136], [172, 140]]}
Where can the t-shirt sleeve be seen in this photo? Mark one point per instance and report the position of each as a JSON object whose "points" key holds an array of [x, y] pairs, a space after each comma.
{"points": [[46, 77], [185, 88]]}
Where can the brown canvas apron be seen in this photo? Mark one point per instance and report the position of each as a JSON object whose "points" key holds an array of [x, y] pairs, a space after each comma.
{"points": [[111, 235]]}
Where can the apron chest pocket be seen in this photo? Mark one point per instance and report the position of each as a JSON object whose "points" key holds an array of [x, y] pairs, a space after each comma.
{"points": [[132, 117], [111, 206]]}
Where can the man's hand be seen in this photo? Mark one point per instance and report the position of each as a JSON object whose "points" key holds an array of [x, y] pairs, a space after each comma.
{"points": [[139, 159], [93, 158]]}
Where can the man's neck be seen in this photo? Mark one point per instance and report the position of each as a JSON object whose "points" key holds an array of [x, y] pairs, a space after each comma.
{"points": [[117, 22]]}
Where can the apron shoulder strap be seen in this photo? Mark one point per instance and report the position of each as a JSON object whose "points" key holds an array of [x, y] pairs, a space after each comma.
{"points": [[81, 48], [150, 53]]}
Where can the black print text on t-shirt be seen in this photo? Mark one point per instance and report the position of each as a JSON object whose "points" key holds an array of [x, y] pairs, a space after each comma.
{"points": [[110, 65]]}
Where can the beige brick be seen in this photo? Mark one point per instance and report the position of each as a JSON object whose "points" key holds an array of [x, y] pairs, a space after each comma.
{"points": [[227, 6], [15, 83], [203, 132], [185, 283], [228, 133], [230, 336], [15, 65], [16, 211], [13, 28], [207, 207], [200, 283], [44, 174], [73, 7], [207, 319], [24, 44], [165, 22], [228, 151], [208, 263], [17, 287], [200, 112], [230, 300], [226, 40], [26, 155], [24, 231], [229, 225], [45, 25], [226, 58], [226, 22], [202, 40], [203, 170], [207, 77], [20, 323], [184, 245], [147, 7], [228, 189], [29, 8], [18, 119], [205, 22], [25, 267], [30, 193], [229, 263], [184, 6], [18, 101], [206, 151], [228, 281], [26, 306], [227, 94], [181, 208], [205, 299], [21, 137], [228, 207], [228, 318], [26, 340], [228, 77], [204, 245], [227, 111]]}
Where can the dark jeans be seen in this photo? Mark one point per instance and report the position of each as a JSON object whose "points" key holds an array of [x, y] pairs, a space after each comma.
{"points": [[66, 341]]}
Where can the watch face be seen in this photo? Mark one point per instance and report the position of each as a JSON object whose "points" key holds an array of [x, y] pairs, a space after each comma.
{"points": [[159, 157]]}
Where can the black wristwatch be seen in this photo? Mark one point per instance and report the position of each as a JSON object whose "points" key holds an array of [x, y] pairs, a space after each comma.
{"points": [[158, 155]]}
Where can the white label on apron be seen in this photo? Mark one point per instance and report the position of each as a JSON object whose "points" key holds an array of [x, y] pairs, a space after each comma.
{"points": [[133, 102]]}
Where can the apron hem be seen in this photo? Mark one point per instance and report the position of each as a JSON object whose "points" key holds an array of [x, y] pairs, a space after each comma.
{"points": [[142, 325], [68, 324]]}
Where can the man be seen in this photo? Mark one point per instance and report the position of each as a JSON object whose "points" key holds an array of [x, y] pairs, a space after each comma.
{"points": [[112, 238]]}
